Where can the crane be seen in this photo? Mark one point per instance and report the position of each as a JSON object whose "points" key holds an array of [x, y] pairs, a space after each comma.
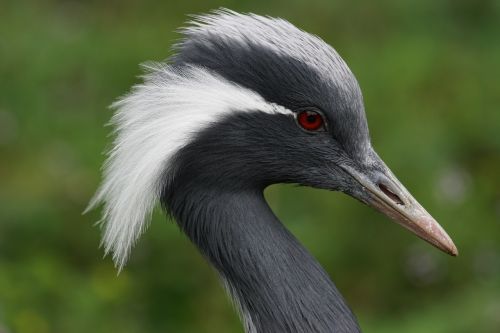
{"points": [[248, 101]]}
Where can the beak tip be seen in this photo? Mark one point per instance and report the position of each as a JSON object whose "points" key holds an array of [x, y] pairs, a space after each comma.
{"points": [[445, 241], [440, 238], [453, 251]]}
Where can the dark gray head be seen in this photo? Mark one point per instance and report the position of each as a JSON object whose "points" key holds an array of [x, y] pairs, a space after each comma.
{"points": [[285, 65], [249, 101]]}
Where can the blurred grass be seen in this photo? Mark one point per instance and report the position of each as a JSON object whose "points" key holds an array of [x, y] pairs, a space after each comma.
{"points": [[430, 73]]}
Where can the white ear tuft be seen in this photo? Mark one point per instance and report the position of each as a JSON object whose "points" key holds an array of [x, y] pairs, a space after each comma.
{"points": [[151, 124]]}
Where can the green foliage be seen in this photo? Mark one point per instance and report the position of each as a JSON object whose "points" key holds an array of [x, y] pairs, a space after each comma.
{"points": [[430, 73]]}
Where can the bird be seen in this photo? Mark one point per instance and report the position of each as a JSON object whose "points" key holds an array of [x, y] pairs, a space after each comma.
{"points": [[244, 102]]}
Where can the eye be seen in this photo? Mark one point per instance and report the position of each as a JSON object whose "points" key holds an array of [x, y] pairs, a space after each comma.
{"points": [[311, 120]]}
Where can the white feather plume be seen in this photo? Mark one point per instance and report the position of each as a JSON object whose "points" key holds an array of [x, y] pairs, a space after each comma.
{"points": [[151, 123]]}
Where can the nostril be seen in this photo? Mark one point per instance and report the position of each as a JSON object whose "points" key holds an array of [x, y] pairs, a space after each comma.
{"points": [[393, 196]]}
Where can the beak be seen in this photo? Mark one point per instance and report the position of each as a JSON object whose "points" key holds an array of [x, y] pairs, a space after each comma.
{"points": [[389, 196]]}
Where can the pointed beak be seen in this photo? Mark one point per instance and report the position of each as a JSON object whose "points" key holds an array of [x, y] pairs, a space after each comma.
{"points": [[389, 196]]}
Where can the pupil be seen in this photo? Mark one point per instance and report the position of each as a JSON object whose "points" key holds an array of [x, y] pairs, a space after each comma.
{"points": [[311, 118]]}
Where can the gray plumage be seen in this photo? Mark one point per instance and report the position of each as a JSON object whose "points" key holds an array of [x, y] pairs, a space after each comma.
{"points": [[284, 64], [281, 288], [210, 128]]}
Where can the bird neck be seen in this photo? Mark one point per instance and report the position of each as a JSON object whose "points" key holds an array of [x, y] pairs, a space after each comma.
{"points": [[276, 284]]}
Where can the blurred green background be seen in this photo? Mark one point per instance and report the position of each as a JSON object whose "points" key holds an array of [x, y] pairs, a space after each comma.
{"points": [[430, 73]]}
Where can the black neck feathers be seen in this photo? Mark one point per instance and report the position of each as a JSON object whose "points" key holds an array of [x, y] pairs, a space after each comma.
{"points": [[279, 286]]}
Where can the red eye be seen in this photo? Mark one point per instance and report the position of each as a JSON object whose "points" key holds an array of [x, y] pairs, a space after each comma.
{"points": [[310, 120]]}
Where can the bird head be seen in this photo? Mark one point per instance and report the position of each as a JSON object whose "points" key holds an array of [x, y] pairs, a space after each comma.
{"points": [[248, 101]]}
